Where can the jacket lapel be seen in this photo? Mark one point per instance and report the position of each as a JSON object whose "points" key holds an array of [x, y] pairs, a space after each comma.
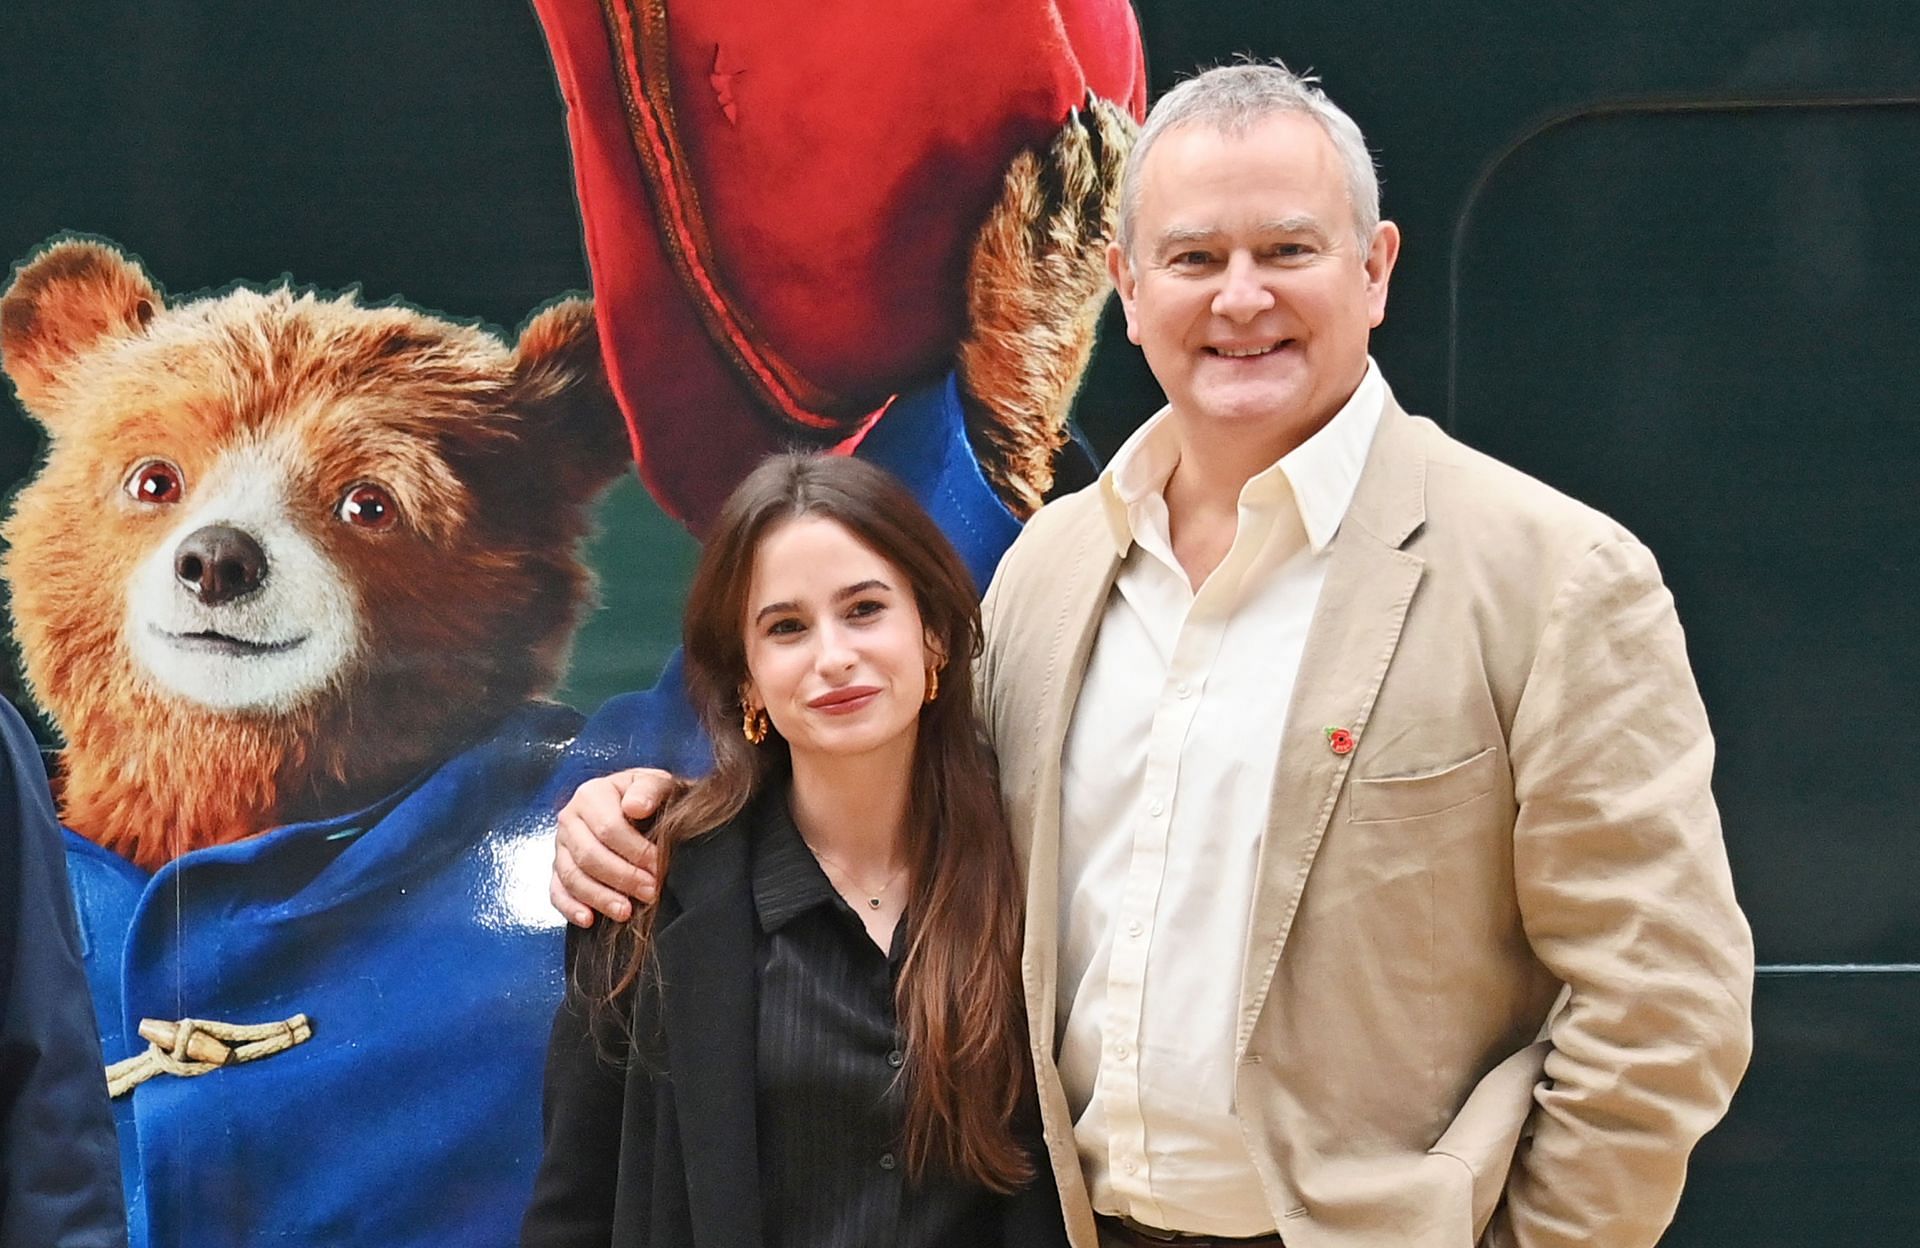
{"points": [[1356, 628], [710, 1016], [1088, 574]]}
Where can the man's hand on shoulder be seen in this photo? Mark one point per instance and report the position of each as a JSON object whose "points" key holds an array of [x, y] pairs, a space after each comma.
{"points": [[602, 862]]}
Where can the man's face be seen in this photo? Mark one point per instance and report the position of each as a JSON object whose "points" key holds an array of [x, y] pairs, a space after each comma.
{"points": [[1246, 288]]}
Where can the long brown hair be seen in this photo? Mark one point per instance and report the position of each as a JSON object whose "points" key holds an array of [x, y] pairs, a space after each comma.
{"points": [[958, 998]]}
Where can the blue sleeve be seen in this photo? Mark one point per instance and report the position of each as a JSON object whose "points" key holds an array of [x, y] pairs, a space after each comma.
{"points": [[59, 1163]]}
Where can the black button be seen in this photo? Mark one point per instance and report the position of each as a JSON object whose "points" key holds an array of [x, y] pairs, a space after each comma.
{"points": [[895, 1058], [887, 1162]]}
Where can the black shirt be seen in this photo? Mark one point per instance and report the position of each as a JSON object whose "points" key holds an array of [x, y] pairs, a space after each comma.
{"points": [[830, 1099]]}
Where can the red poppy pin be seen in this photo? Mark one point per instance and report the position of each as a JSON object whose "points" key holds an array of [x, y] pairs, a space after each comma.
{"points": [[1339, 740]]}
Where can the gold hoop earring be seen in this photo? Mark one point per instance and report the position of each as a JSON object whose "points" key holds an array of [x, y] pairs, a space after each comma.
{"points": [[753, 724], [933, 682]]}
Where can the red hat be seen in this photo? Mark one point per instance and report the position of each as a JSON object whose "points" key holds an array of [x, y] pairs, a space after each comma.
{"points": [[779, 198]]}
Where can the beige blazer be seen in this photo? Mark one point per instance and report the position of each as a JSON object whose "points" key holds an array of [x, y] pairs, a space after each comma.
{"points": [[1522, 829]]}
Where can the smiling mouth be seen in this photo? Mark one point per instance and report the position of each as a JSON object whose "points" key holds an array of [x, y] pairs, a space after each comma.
{"points": [[843, 701], [1248, 353], [210, 642]]}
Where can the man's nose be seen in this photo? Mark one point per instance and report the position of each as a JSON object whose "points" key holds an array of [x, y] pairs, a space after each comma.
{"points": [[1243, 292]]}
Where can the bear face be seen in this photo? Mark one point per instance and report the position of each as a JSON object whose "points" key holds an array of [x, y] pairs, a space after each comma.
{"points": [[286, 551]]}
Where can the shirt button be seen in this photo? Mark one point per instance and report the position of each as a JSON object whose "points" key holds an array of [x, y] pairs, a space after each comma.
{"points": [[1155, 807], [1182, 689], [887, 1162], [1120, 1051], [1134, 928], [1133, 1167], [895, 1058]]}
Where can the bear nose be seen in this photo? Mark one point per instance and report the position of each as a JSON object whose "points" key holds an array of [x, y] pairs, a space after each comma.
{"points": [[219, 563]]}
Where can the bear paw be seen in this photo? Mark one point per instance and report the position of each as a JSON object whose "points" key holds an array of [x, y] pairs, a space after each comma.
{"points": [[1036, 283]]}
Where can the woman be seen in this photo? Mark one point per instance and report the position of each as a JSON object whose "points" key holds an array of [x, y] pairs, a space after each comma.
{"points": [[816, 1038]]}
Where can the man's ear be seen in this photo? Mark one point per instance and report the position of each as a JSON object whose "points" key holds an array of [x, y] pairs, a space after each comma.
{"points": [[61, 305], [563, 393], [1380, 260], [1120, 268]]}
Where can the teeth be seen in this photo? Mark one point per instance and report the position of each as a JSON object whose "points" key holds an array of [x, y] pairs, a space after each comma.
{"points": [[1241, 355]]}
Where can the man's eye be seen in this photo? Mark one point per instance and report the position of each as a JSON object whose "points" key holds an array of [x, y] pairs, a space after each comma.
{"points": [[1192, 259]]}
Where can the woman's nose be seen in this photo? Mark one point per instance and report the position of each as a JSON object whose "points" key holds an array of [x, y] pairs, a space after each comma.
{"points": [[836, 653]]}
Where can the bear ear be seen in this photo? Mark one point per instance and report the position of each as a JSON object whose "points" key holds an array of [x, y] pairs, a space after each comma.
{"points": [[563, 390], [61, 304]]}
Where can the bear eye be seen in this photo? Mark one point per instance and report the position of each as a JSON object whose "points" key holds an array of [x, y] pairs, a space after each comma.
{"points": [[367, 506], [155, 481]]}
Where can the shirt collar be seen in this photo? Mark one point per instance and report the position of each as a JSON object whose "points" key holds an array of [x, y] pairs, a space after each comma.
{"points": [[1321, 474], [786, 878]]}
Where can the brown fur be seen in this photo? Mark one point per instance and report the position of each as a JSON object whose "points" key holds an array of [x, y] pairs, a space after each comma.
{"points": [[1035, 285], [491, 453]]}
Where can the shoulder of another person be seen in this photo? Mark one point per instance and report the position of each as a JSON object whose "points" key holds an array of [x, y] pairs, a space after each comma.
{"points": [[1487, 508], [1027, 589], [702, 864], [1053, 530]]}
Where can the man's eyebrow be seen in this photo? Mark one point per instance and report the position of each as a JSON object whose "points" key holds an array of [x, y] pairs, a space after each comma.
{"points": [[1297, 224], [1179, 235], [851, 591]]}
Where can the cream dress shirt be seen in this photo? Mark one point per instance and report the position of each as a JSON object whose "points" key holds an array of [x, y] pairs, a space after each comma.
{"points": [[1166, 786]]}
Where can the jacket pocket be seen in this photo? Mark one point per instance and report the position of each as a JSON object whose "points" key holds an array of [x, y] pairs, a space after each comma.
{"points": [[1485, 1135], [1411, 797]]}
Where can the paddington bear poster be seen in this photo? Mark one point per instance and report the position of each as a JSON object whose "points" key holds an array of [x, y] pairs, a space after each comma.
{"points": [[373, 381]]}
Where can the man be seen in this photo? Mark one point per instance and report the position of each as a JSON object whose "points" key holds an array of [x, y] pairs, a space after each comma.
{"points": [[1376, 890]]}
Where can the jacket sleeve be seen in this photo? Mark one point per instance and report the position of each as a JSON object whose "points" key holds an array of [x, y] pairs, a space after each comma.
{"points": [[585, 1118], [1625, 894], [59, 1163]]}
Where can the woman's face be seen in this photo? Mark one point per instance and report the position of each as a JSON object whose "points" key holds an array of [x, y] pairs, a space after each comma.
{"points": [[836, 652]]}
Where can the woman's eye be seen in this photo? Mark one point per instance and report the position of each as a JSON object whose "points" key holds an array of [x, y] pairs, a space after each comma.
{"points": [[155, 481], [784, 628], [865, 607]]}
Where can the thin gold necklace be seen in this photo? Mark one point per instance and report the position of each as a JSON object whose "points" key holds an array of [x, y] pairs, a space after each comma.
{"points": [[873, 896]]}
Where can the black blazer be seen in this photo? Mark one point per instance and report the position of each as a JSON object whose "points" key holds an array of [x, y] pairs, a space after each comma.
{"points": [[59, 1162], [636, 1158]]}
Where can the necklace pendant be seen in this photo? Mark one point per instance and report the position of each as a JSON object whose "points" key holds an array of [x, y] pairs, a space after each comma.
{"points": [[873, 903]]}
